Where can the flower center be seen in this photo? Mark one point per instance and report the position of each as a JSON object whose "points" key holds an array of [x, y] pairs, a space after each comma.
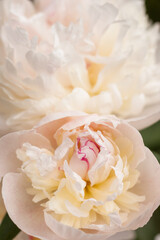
{"points": [[84, 156]]}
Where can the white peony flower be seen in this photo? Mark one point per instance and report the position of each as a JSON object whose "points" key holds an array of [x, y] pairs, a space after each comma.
{"points": [[93, 56], [74, 176]]}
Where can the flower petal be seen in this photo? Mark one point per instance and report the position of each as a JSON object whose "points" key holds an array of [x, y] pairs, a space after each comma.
{"points": [[13, 141], [22, 210], [67, 232], [102, 167], [138, 145], [49, 125], [149, 187], [146, 119]]}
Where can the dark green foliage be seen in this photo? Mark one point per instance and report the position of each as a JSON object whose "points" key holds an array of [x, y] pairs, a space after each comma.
{"points": [[151, 137], [153, 10], [8, 230]]}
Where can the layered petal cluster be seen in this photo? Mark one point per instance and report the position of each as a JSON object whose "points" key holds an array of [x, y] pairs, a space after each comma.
{"points": [[93, 56], [78, 176]]}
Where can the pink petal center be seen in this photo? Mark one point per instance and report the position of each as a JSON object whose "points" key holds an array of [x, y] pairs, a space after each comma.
{"points": [[84, 156]]}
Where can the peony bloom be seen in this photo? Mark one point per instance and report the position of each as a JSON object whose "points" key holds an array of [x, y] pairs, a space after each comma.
{"points": [[79, 176], [92, 56]]}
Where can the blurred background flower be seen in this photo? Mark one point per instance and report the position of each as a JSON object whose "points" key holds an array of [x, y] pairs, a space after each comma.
{"points": [[97, 57]]}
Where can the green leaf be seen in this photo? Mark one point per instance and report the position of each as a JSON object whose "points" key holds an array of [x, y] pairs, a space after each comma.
{"points": [[151, 137], [8, 230]]}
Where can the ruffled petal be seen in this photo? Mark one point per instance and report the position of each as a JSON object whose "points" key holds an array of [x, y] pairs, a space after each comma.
{"points": [[67, 232], [9, 161], [75, 184], [102, 167]]}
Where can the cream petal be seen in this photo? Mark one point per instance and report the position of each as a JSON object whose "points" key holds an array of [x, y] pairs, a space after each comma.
{"points": [[59, 115], [129, 201], [149, 183], [28, 216], [102, 167], [78, 166], [149, 187], [63, 149], [57, 203], [125, 146], [95, 136], [146, 119], [71, 101], [67, 232], [49, 125], [78, 212], [79, 121], [79, 76], [119, 177], [101, 17], [8, 160], [75, 182], [84, 209], [138, 146], [101, 103]]}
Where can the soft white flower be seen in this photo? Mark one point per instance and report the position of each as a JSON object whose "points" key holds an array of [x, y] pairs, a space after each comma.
{"points": [[79, 176], [93, 56]]}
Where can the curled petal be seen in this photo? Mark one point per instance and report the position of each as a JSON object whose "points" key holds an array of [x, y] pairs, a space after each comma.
{"points": [[75, 182], [9, 161], [102, 167]]}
